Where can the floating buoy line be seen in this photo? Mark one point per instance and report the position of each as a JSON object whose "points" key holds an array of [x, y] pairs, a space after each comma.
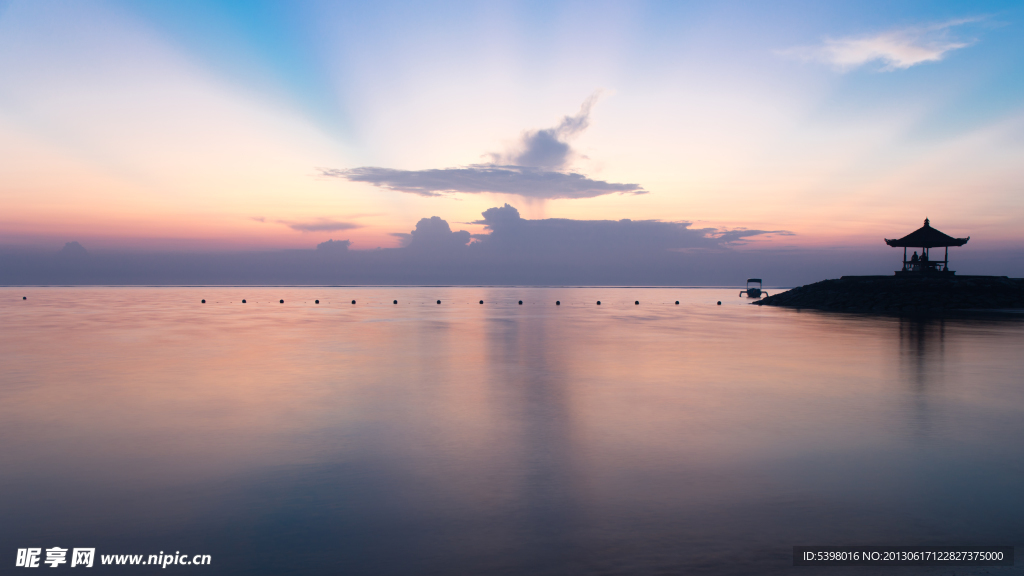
{"points": [[519, 302]]}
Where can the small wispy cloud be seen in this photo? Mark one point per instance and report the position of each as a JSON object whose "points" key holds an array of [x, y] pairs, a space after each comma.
{"points": [[740, 235], [894, 49], [537, 166], [319, 225]]}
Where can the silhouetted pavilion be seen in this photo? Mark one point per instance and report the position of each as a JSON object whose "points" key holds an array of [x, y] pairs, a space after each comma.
{"points": [[925, 238]]}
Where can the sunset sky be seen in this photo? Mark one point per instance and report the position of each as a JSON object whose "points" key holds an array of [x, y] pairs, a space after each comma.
{"points": [[208, 126]]}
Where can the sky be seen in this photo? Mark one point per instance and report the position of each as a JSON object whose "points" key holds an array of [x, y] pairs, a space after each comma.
{"points": [[188, 127]]}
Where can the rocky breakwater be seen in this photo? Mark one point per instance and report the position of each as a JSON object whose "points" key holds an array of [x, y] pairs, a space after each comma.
{"points": [[893, 294]]}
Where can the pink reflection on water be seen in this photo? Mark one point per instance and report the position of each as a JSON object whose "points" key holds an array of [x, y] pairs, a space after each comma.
{"points": [[610, 414]]}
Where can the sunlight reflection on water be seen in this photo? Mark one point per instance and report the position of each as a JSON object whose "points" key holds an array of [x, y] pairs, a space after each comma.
{"points": [[499, 438]]}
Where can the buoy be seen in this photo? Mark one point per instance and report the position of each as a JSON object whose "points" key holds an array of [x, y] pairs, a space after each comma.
{"points": [[282, 301], [353, 301], [481, 301], [243, 301], [24, 297], [520, 302], [395, 302], [317, 301], [558, 302], [204, 300], [719, 302], [598, 302], [637, 302], [677, 302], [438, 301]]}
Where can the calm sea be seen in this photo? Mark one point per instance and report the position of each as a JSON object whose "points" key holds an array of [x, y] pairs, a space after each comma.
{"points": [[498, 438]]}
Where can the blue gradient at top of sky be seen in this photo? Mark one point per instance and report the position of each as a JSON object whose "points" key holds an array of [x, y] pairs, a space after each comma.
{"points": [[367, 78], [285, 47], [266, 46]]}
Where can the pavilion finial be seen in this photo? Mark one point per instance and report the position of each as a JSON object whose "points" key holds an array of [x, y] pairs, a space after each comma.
{"points": [[926, 223]]}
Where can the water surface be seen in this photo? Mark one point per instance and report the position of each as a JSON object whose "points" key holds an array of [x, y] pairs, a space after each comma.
{"points": [[500, 438]]}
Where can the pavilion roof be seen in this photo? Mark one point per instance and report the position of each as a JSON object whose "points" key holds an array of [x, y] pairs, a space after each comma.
{"points": [[926, 237]]}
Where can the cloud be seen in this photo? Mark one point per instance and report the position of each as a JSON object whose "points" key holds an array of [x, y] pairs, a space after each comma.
{"points": [[895, 49], [523, 181], [333, 246], [559, 237], [537, 167], [548, 148], [739, 235], [433, 233], [319, 225], [512, 250], [72, 250]]}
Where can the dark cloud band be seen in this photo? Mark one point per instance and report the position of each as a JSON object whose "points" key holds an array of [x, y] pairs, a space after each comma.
{"points": [[510, 250]]}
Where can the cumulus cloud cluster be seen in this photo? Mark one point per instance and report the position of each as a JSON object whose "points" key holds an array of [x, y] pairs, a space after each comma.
{"points": [[433, 233], [536, 167], [893, 49], [507, 230], [509, 234]]}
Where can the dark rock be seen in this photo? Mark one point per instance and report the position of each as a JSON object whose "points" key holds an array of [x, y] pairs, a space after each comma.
{"points": [[890, 294]]}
